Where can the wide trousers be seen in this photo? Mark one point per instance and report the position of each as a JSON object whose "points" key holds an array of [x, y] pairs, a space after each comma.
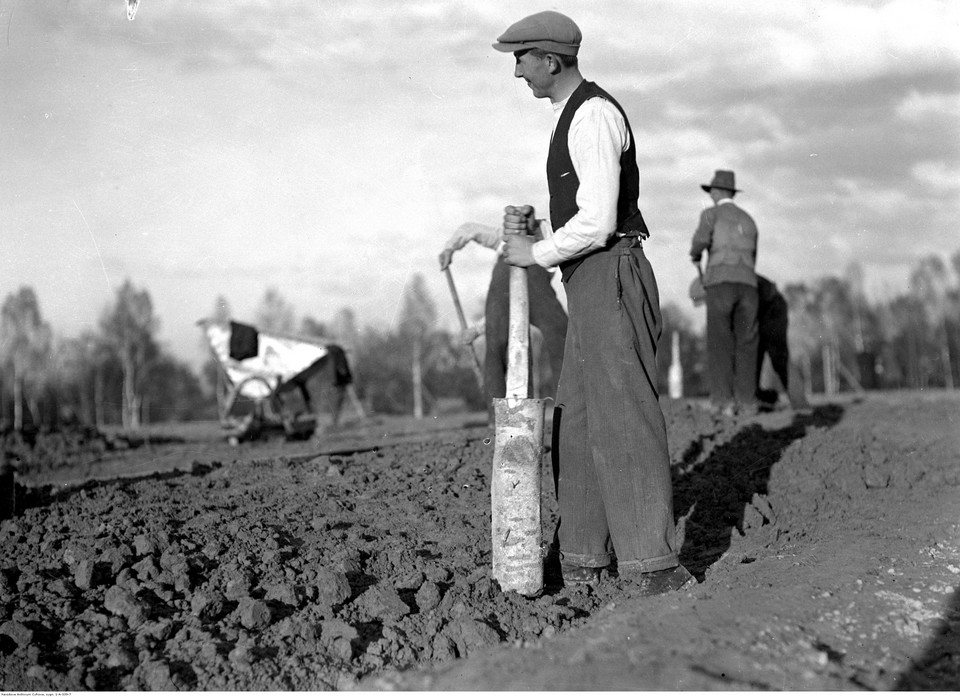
{"points": [[773, 342], [546, 314], [732, 341], [610, 458]]}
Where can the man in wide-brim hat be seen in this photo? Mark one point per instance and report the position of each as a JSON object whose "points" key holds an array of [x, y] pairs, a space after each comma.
{"points": [[729, 236], [723, 179]]}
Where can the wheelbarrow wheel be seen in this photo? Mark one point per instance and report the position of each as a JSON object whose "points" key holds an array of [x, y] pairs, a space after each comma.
{"points": [[244, 428]]}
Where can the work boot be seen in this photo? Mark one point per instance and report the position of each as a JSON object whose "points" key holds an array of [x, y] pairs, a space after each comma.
{"points": [[575, 575], [658, 582]]}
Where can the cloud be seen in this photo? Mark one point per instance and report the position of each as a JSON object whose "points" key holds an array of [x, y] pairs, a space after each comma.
{"points": [[940, 177], [211, 148], [766, 44], [917, 106]]}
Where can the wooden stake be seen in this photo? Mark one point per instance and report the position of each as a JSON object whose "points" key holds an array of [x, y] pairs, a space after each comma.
{"points": [[675, 373]]}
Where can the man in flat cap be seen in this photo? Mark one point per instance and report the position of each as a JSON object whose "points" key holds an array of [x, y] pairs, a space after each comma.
{"points": [[729, 236], [610, 458]]}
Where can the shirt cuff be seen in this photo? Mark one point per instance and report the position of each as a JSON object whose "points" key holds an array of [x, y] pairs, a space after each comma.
{"points": [[545, 253]]}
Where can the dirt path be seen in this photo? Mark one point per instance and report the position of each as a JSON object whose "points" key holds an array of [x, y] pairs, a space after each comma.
{"points": [[827, 545]]}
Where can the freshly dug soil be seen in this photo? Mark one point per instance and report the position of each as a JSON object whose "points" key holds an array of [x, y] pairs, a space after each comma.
{"points": [[827, 545]]}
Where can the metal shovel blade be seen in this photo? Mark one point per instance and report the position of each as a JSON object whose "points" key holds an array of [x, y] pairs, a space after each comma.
{"points": [[515, 495]]}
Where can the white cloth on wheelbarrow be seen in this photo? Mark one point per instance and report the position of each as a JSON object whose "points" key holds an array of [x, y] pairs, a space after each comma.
{"points": [[279, 360]]}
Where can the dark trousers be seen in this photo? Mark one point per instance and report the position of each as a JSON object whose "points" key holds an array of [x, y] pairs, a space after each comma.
{"points": [[732, 340], [610, 458], [546, 314], [773, 343]]}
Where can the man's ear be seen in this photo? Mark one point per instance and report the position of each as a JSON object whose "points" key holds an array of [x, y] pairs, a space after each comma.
{"points": [[553, 64]]}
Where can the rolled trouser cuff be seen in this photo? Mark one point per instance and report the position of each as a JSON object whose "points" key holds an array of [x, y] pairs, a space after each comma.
{"points": [[593, 561], [667, 561]]}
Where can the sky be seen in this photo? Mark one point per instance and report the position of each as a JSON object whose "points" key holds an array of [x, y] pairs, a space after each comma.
{"points": [[329, 148]]}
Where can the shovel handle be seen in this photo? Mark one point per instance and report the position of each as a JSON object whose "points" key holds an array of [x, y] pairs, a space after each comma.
{"points": [[518, 340], [456, 298], [477, 370]]}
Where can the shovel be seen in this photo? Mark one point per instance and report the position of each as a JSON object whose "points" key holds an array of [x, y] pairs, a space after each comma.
{"points": [[478, 373], [517, 455]]}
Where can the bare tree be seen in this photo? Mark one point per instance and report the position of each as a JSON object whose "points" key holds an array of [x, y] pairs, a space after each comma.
{"points": [[210, 371], [838, 315], [854, 277], [24, 347], [952, 314], [312, 327], [79, 368], [68, 370], [128, 328], [274, 313], [930, 284], [418, 316], [345, 327], [803, 329], [904, 324]]}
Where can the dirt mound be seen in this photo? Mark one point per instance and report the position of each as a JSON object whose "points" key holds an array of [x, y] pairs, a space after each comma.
{"points": [[314, 573]]}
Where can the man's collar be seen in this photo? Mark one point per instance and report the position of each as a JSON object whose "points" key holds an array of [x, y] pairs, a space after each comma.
{"points": [[727, 199], [565, 99]]}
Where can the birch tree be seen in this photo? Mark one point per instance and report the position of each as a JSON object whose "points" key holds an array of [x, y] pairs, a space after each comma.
{"points": [[930, 284], [275, 314], [128, 328], [24, 347], [210, 371], [418, 316]]}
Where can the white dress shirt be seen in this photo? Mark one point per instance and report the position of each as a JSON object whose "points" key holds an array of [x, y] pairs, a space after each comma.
{"points": [[597, 138]]}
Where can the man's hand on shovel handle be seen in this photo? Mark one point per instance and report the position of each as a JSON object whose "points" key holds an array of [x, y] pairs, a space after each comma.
{"points": [[519, 224], [446, 256], [519, 220]]}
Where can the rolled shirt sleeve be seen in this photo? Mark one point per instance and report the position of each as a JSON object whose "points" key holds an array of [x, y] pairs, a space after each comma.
{"points": [[485, 235]]}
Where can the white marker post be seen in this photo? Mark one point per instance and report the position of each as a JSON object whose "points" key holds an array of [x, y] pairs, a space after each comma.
{"points": [[675, 374]]}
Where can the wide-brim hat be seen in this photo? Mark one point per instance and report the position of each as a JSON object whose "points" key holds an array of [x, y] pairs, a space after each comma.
{"points": [[548, 30], [722, 179]]}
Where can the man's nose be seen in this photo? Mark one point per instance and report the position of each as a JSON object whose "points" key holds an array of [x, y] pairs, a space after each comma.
{"points": [[517, 72]]}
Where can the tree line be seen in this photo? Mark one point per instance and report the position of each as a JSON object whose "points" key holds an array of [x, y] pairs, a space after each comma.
{"points": [[119, 374], [115, 374], [843, 341]]}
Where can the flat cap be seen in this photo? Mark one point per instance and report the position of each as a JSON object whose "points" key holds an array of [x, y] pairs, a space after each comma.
{"points": [[548, 30]]}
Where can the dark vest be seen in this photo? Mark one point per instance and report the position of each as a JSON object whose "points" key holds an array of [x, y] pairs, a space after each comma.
{"points": [[563, 189]]}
